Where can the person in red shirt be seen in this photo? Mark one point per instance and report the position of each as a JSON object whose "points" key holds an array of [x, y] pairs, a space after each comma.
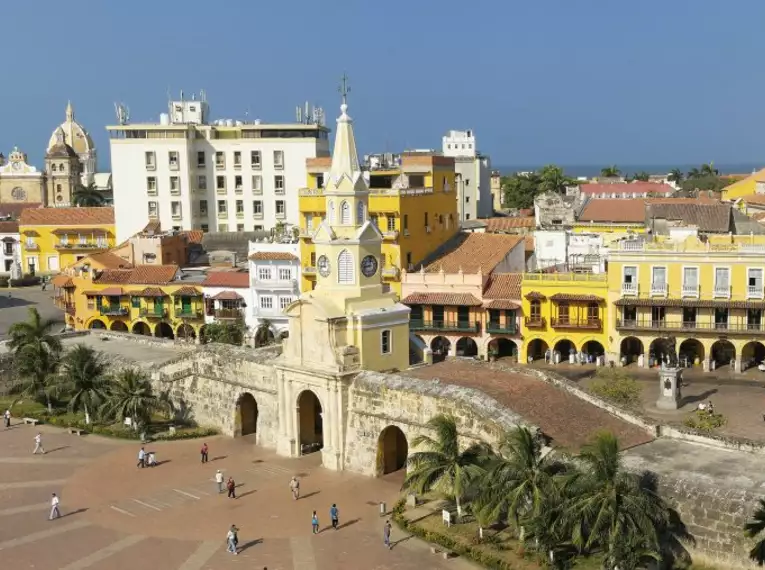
{"points": [[231, 486], [204, 453]]}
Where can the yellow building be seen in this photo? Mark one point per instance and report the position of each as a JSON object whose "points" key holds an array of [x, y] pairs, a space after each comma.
{"points": [[347, 322], [413, 205], [54, 238], [564, 313], [151, 300], [708, 295], [744, 187]]}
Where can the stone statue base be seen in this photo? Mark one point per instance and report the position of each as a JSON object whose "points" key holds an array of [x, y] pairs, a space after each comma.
{"points": [[669, 388]]}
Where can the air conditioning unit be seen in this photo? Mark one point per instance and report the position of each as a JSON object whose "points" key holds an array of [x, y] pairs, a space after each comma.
{"points": [[427, 229]]}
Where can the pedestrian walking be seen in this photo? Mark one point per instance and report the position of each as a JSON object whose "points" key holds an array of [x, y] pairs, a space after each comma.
{"points": [[204, 452], [141, 458], [295, 488], [7, 418], [315, 522], [219, 480], [231, 486], [38, 444], [333, 515], [232, 539], [386, 534], [54, 512]]}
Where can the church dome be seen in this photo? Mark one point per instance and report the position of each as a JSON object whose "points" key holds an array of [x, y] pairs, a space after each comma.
{"points": [[74, 133], [61, 150]]}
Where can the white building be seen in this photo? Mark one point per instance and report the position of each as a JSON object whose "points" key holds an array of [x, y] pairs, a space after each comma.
{"points": [[192, 173], [10, 254], [275, 283], [569, 251], [227, 298], [473, 172]]}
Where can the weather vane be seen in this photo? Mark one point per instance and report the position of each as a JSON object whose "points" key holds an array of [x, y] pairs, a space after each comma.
{"points": [[344, 88]]}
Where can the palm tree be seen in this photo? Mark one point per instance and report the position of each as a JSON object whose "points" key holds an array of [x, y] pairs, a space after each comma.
{"points": [[754, 528], [552, 179], [263, 334], [87, 196], [610, 171], [676, 175], [131, 395], [442, 466], [83, 377], [709, 170], [642, 176], [694, 173], [613, 509], [34, 331]]}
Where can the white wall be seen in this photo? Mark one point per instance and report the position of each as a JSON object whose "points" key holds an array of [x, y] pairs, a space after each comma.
{"points": [[279, 290], [15, 253], [550, 247]]}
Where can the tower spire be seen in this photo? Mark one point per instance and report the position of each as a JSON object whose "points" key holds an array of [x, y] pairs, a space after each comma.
{"points": [[69, 112], [345, 158]]}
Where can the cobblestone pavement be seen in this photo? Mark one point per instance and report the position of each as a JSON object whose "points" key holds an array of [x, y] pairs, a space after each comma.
{"points": [[119, 517], [569, 421]]}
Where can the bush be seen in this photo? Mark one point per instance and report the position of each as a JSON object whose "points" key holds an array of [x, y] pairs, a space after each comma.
{"points": [[25, 281], [702, 420], [190, 433], [616, 386]]}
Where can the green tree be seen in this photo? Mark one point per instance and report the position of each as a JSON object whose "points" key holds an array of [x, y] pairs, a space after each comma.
{"points": [[442, 467], [83, 377], [610, 171], [263, 334], [694, 173], [521, 189], [225, 332], [87, 196], [553, 179], [642, 176], [36, 331], [676, 175], [131, 396], [615, 510], [754, 529], [709, 170]]}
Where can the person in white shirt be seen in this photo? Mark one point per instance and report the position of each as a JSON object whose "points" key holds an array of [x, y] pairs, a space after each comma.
{"points": [[232, 539], [141, 458], [219, 480], [54, 512], [7, 417], [38, 444]]}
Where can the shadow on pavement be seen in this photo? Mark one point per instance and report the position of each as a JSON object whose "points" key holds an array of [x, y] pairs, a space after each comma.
{"points": [[247, 545]]}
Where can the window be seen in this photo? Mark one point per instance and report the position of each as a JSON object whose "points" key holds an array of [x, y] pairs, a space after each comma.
{"points": [[203, 207], [467, 217], [266, 302], [222, 209], [237, 159], [58, 188], [285, 274], [345, 267], [135, 302], [201, 159], [331, 212], [285, 302], [8, 248], [63, 239], [280, 209], [202, 182], [173, 160], [426, 219], [238, 183], [257, 207], [278, 159], [659, 280], [258, 228], [593, 313], [467, 181], [374, 220], [205, 228], [264, 273], [385, 342], [345, 213], [722, 281], [175, 185], [31, 241], [240, 207], [690, 280], [82, 238], [406, 222], [151, 185], [240, 227], [220, 182], [255, 159], [360, 213], [689, 316], [279, 184], [535, 310], [564, 310], [309, 221], [222, 227], [175, 209], [409, 260], [467, 199], [320, 181], [257, 184], [151, 160], [220, 160], [53, 168], [153, 210]]}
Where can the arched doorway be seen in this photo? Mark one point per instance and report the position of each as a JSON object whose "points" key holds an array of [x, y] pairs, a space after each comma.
{"points": [[723, 353], [119, 326], [631, 348], [537, 349], [658, 351], [752, 354], [164, 330], [565, 347], [141, 328], [440, 347], [246, 415], [503, 347], [466, 346], [594, 348], [310, 423], [392, 450], [690, 352], [186, 332], [97, 324]]}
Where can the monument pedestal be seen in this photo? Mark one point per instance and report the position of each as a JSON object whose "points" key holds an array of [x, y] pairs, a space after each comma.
{"points": [[669, 388]]}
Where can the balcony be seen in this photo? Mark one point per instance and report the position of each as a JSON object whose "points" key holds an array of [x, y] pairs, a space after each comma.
{"points": [[155, 313], [721, 292], [496, 328], [583, 323], [152, 192], [390, 235], [274, 283], [80, 246], [658, 289], [664, 325], [535, 322], [224, 314], [188, 313], [390, 272], [629, 289], [29, 246], [309, 270], [66, 306], [752, 291], [281, 215], [175, 191], [114, 311], [690, 291], [220, 165], [221, 191], [444, 326]]}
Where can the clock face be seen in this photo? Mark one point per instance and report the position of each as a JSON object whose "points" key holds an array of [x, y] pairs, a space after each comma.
{"points": [[18, 193], [323, 265], [16, 166], [369, 265]]}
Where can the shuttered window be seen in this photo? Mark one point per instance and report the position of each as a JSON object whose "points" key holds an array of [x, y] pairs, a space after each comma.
{"points": [[345, 267], [345, 214]]}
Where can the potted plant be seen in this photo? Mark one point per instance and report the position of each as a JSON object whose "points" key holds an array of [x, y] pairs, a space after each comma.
{"points": [[492, 354]]}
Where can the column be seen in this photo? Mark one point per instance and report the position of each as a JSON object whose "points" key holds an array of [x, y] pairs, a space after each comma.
{"points": [[737, 365]]}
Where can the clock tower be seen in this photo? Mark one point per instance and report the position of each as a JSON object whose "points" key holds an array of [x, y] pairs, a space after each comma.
{"points": [[366, 328]]}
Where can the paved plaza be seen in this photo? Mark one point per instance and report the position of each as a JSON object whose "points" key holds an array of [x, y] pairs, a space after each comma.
{"points": [[15, 303], [117, 516]]}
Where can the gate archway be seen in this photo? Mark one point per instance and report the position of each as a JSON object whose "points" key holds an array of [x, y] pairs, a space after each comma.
{"points": [[392, 450], [141, 328], [246, 415], [119, 326], [466, 346], [310, 422], [164, 330], [723, 353], [631, 348], [537, 349]]}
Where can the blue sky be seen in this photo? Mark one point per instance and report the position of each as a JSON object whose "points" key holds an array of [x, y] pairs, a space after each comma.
{"points": [[572, 82]]}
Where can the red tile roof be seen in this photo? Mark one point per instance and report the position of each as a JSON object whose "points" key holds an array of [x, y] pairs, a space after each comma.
{"points": [[575, 297], [617, 210], [228, 296], [187, 292], [109, 260], [637, 187], [150, 292], [112, 292], [9, 227], [501, 304], [758, 199], [505, 224], [475, 251], [194, 236], [14, 210], [140, 275], [63, 281], [67, 216], [504, 286], [529, 243], [464, 299], [234, 279], [272, 256]]}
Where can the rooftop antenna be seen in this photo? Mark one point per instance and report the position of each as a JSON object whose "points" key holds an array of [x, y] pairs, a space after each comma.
{"points": [[123, 113], [203, 95], [344, 88], [299, 114]]}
